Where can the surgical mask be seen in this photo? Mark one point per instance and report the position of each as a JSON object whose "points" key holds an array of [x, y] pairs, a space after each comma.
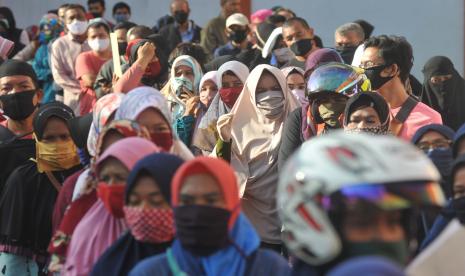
{"points": [[181, 16], [374, 75], [179, 82], [347, 53], [202, 230], [98, 44], [396, 251], [302, 47], [18, 106], [56, 156], [442, 159], [238, 36], [283, 55], [270, 103], [152, 225], [330, 113], [299, 94], [122, 17], [77, 27], [112, 197], [229, 95], [163, 140]]}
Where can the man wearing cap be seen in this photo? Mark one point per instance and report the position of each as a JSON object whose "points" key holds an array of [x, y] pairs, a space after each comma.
{"points": [[237, 30], [19, 99], [213, 35], [65, 51], [182, 29]]}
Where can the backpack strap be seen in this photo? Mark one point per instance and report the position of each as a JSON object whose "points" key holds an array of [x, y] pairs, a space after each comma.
{"points": [[398, 122]]}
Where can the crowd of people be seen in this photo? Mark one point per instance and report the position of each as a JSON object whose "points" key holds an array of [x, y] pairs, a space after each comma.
{"points": [[243, 147]]}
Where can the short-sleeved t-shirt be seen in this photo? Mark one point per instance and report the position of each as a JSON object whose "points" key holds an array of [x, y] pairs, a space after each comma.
{"points": [[420, 116], [87, 63]]}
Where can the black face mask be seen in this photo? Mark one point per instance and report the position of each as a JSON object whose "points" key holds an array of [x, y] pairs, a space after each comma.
{"points": [[373, 74], [302, 47], [238, 36], [18, 106], [122, 48], [458, 204], [347, 53], [202, 230], [96, 14], [181, 17]]}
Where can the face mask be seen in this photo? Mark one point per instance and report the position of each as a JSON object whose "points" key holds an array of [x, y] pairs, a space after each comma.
{"points": [[202, 230], [44, 38], [56, 156], [238, 36], [330, 113], [112, 197], [163, 140], [302, 47], [347, 53], [442, 159], [96, 14], [179, 82], [150, 224], [153, 69], [270, 103], [379, 130], [373, 74], [18, 106], [122, 47], [396, 251], [77, 27], [229, 95], [122, 17], [283, 55], [181, 17], [458, 204], [98, 44], [299, 94]]}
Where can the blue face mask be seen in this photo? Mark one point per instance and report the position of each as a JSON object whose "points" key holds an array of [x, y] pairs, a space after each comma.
{"points": [[122, 17], [442, 158], [182, 82]]}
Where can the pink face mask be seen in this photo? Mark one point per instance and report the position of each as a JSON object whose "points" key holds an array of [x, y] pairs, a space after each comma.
{"points": [[150, 224]]}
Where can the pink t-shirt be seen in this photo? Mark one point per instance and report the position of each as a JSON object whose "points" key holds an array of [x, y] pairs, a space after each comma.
{"points": [[421, 115], [87, 63]]}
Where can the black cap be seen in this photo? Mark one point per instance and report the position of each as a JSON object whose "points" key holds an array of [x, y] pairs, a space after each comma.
{"points": [[14, 67]]}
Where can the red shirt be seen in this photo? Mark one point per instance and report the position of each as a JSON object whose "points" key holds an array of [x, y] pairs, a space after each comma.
{"points": [[87, 63]]}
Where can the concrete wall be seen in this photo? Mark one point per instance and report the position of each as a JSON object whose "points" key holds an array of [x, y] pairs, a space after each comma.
{"points": [[433, 27]]}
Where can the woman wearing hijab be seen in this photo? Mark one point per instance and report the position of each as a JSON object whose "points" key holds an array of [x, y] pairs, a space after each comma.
{"points": [[104, 222], [147, 66], [29, 194], [50, 28], [296, 83], [254, 128], [9, 31], [444, 90], [367, 112], [319, 57], [231, 77], [213, 236], [148, 214], [110, 134], [148, 107], [208, 89]]}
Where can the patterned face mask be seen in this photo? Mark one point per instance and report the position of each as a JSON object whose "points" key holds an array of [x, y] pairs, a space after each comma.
{"points": [[152, 225], [379, 130]]}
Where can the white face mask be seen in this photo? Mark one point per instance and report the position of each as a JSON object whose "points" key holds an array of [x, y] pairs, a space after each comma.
{"points": [[77, 27], [98, 44], [283, 54], [270, 103], [299, 94]]}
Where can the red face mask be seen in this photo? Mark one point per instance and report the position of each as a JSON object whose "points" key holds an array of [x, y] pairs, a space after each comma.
{"points": [[112, 197], [150, 224], [163, 140], [153, 69], [229, 95]]}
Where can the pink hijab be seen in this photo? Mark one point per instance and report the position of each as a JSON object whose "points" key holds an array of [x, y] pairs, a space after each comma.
{"points": [[98, 229]]}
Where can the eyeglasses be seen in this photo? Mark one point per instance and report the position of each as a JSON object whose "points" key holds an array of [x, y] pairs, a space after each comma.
{"points": [[437, 144]]}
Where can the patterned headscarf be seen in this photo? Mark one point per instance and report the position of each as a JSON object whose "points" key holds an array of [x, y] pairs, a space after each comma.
{"points": [[50, 28]]}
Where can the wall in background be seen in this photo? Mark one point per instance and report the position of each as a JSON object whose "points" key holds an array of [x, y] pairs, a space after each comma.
{"points": [[432, 27]]}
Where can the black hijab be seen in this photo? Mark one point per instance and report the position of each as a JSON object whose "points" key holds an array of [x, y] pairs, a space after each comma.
{"points": [[447, 98], [28, 197], [367, 99], [12, 33], [126, 252]]}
